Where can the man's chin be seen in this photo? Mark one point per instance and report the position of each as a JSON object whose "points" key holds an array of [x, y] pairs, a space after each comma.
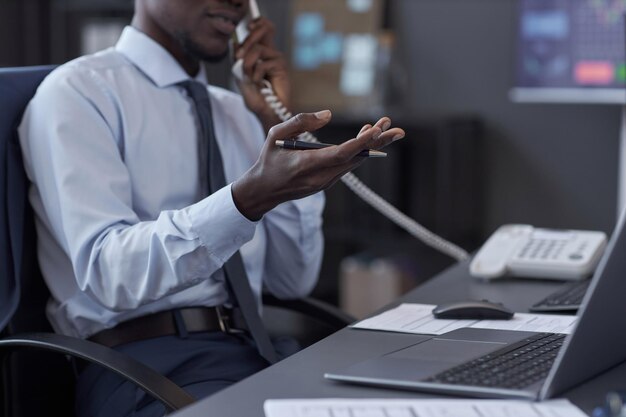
{"points": [[213, 58], [196, 51]]}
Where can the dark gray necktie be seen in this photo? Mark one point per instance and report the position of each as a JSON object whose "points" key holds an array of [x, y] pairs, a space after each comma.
{"points": [[236, 277]]}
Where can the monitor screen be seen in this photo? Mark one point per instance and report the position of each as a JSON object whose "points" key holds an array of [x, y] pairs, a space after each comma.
{"points": [[570, 51]]}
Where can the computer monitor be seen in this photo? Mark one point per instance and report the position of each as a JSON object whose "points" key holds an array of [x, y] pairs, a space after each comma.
{"points": [[573, 51], [570, 51]]}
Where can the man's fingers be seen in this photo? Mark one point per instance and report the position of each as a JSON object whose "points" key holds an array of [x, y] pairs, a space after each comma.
{"points": [[384, 123], [384, 139], [265, 69], [388, 137], [367, 126], [349, 149], [370, 137], [261, 32], [300, 123]]}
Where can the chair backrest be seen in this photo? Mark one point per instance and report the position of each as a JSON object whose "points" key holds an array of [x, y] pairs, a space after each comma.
{"points": [[17, 87], [25, 389]]}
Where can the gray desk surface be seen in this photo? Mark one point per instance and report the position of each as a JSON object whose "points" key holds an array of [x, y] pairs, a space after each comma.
{"points": [[300, 376]]}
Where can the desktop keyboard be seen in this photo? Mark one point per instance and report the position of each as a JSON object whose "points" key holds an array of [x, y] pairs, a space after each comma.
{"points": [[515, 366], [567, 299]]}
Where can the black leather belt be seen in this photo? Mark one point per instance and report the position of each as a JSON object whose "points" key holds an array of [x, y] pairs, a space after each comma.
{"points": [[166, 323]]}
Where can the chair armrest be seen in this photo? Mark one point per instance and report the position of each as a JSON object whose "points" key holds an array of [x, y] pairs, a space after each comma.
{"points": [[153, 383], [311, 307]]}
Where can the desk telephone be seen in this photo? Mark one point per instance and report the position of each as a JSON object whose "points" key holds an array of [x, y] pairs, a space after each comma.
{"points": [[349, 179], [522, 250]]}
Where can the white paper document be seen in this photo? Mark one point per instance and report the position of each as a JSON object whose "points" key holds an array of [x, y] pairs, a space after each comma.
{"points": [[419, 319], [419, 408]]}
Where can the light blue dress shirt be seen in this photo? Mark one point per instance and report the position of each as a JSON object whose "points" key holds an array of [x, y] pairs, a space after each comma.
{"points": [[110, 145]]}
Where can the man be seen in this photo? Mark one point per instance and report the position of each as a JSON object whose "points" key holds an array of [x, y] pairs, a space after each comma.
{"points": [[128, 233]]}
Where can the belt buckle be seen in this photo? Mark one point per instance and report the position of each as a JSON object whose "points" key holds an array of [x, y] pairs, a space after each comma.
{"points": [[224, 320]]}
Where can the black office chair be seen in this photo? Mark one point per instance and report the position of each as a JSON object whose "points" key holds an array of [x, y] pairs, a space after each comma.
{"points": [[36, 380]]}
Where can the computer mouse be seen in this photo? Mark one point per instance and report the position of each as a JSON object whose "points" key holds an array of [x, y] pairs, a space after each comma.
{"points": [[472, 310]]}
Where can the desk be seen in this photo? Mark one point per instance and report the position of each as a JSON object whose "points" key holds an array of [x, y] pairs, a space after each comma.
{"points": [[301, 375]]}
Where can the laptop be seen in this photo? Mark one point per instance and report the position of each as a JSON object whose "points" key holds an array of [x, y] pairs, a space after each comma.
{"points": [[509, 364], [566, 299]]}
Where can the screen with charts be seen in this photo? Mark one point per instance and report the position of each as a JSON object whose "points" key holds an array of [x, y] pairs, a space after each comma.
{"points": [[571, 51]]}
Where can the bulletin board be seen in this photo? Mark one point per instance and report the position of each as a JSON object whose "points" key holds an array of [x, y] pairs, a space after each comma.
{"points": [[337, 54]]}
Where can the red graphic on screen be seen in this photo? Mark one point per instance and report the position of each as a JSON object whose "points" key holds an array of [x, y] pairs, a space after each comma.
{"points": [[594, 72]]}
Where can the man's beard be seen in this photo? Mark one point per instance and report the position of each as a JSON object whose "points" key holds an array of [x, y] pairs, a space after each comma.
{"points": [[194, 50]]}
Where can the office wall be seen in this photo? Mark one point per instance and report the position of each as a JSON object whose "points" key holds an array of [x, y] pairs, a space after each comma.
{"points": [[550, 165], [24, 32]]}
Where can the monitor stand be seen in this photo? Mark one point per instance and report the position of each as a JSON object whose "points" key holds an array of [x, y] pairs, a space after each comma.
{"points": [[621, 166]]}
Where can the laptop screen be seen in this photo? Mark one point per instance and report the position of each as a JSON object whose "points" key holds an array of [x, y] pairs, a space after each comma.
{"points": [[599, 340]]}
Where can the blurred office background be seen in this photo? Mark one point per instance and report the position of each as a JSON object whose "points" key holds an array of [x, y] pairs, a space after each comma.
{"points": [[472, 159]]}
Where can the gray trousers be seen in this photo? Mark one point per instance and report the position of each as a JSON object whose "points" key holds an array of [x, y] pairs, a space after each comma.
{"points": [[202, 364]]}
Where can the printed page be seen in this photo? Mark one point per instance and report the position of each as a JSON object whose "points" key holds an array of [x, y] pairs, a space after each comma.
{"points": [[418, 319], [419, 408]]}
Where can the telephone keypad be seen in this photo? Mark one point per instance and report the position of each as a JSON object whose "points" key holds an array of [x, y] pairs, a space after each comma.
{"points": [[542, 249]]}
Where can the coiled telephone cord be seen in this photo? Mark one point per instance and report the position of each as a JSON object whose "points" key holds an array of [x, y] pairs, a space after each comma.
{"points": [[368, 195]]}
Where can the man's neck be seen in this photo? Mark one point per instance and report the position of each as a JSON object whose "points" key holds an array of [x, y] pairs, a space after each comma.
{"points": [[188, 63]]}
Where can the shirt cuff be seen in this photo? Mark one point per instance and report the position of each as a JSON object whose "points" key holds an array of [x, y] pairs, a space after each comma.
{"points": [[306, 211], [219, 225]]}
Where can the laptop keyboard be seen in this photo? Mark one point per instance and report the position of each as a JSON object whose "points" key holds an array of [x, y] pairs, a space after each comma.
{"points": [[515, 366], [564, 299]]}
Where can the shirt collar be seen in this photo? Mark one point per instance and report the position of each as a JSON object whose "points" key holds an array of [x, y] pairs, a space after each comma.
{"points": [[153, 60]]}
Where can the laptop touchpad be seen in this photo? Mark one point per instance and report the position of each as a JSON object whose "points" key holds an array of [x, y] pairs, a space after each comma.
{"points": [[448, 351], [419, 361]]}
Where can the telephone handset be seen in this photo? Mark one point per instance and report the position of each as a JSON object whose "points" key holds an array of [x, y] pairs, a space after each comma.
{"points": [[349, 179], [241, 33], [522, 250]]}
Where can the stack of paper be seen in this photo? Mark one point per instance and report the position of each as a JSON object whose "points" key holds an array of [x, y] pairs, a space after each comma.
{"points": [[419, 408]]}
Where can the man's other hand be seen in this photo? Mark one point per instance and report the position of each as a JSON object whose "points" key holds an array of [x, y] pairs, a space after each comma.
{"points": [[262, 61]]}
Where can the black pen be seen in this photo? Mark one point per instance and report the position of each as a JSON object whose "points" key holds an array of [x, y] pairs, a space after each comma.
{"points": [[302, 146]]}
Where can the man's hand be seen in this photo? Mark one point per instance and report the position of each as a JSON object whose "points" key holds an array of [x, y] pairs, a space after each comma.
{"points": [[281, 175], [261, 60]]}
